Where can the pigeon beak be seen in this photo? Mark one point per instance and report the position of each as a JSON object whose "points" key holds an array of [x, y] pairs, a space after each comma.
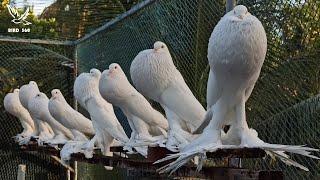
{"points": [[156, 50]]}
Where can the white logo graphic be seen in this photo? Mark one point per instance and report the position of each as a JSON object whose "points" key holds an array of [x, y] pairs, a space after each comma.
{"points": [[17, 18]]}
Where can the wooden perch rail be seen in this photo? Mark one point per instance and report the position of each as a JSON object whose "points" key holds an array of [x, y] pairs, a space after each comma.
{"points": [[137, 163]]}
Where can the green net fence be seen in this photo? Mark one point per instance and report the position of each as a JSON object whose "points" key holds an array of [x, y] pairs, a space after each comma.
{"points": [[19, 64], [285, 104]]}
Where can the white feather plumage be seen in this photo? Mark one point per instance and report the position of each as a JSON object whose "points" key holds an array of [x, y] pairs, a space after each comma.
{"points": [[236, 51], [67, 116], [105, 122], [26, 93], [38, 108], [13, 105], [155, 76], [80, 126], [144, 121]]}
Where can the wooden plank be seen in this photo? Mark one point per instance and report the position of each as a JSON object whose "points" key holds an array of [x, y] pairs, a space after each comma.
{"points": [[139, 166], [156, 153], [237, 153], [117, 149]]}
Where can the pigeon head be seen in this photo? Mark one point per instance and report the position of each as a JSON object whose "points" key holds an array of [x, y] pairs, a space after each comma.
{"points": [[34, 85], [240, 12], [40, 95], [114, 70], [16, 91], [86, 87], [159, 46], [105, 73], [95, 73], [55, 93]]}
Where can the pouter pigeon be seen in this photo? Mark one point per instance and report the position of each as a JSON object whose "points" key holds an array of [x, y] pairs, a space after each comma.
{"points": [[236, 51], [156, 77]]}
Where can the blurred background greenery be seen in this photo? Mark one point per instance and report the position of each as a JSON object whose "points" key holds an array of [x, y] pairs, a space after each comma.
{"points": [[285, 104]]}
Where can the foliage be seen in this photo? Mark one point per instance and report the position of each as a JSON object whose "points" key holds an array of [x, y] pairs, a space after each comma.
{"points": [[59, 22], [284, 106]]}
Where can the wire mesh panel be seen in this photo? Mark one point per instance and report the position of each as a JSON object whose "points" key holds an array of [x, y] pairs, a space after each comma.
{"points": [[182, 25], [284, 106], [173, 22], [19, 64]]}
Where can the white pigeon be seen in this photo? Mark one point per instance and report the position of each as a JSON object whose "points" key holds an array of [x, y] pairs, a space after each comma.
{"points": [[236, 51], [13, 105], [80, 126], [105, 122], [154, 75], [26, 93], [67, 116], [145, 122], [38, 108]]}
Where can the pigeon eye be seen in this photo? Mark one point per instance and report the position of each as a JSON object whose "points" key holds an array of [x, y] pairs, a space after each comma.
{"points": [[162, 46], [115, 67]]}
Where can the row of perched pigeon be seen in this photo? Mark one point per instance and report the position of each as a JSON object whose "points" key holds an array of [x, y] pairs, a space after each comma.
{"points": [[236, 51]]}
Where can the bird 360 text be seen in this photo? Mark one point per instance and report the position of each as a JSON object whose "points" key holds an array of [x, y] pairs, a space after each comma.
{"points": [[16, 30]]}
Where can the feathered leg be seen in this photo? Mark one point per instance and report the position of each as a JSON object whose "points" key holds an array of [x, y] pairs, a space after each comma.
{"points": [[249, 138], [177, 137], [44, 132], [25, 136], [48, 128], [137, 141], [88, 147], [107, 141], [81, 146], [58, 139], [133, 144], [210, 139]]}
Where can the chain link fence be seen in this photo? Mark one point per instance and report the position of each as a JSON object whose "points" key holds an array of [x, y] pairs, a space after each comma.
{"points": [[19, 64], [284, 106]]}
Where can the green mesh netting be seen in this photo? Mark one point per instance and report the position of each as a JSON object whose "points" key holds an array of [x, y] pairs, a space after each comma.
{"points": [[19, 64], [285, 104]]}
